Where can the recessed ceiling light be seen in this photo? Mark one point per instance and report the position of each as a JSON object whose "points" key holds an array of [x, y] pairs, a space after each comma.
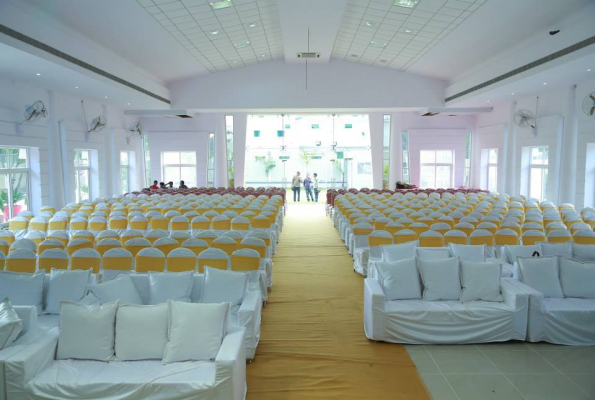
{"points": [[214, 32], [406, 3], [588, 69], [377, 44], [512, 94], [410, 31], [263, 55], [76, 87], [371, 24], [234, 61], [105, 97], [242, 45], [488, 101], [252, 25], [38, 74], [127, 103], [545, 83], [218, 5]]}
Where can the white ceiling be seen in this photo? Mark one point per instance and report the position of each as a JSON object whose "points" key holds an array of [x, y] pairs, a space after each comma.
{"points": [[380, 33], [246, 33]]}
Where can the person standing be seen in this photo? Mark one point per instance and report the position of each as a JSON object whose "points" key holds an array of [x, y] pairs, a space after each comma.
{"points": [[296, 182], [308, 187], [315, 185]]}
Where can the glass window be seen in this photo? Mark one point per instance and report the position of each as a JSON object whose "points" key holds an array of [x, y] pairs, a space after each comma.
{"points": [[211, 161], [82, 183], [405, 146], [492, 170], [467, 175], [229, 136], [147, 154], [386, 154], [538, 172], [436, 168], [124, 172], [179, 166], [14, 181], [364, 168]]}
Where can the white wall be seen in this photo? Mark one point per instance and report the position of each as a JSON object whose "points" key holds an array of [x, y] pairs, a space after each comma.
{"points": [[67, 112], [487, 137]]}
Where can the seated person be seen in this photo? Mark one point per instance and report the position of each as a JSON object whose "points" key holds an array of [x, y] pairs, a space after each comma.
{"points": [[183, 185], [162, 185], [154, 186]]}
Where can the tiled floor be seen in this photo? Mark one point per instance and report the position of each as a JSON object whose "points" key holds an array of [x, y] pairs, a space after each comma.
{"points": [[510, 371]]}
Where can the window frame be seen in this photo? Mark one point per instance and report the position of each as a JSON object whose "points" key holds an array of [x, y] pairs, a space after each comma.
{"points": [[544, 167], [77, 183], [406, 168], [229, 121], [490, 165], [437, 164], [386, 138], [12, 171], [211, 157], [127, 168], [180, 165]]}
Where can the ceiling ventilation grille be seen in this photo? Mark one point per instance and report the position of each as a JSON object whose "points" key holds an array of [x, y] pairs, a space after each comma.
{"points": [[526, 67], [48, 49], [308, 55]]}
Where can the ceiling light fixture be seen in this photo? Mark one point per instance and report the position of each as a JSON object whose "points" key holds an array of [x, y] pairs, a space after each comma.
{"points": [[588, 69], [512, 94], [105, 97], [410, 31], [128, 104], [544, 83], [487, 101], [38, 74], [242, 45], [378, 44], [252, 25], [214, 32], [406, 3], [371, 24], [76, 87], [263, 55], [218, 5], [234, 61]]}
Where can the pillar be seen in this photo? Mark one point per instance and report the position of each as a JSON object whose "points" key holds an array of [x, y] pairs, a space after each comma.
{"points": [[376, 147], [396, 151], [240, 126], [567, 192], [56, 180], [220, 151]]}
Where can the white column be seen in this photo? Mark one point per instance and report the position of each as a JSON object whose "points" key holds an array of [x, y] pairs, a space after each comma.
{"points": [[510, 154], [55, 159], [567, 192], [376, 145], [240, 126], [396, 151], [220, 152]]}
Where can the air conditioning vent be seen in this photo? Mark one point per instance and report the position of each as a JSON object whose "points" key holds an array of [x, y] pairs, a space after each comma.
{"points": [[161, 113], [308, 55], [429, 114]]}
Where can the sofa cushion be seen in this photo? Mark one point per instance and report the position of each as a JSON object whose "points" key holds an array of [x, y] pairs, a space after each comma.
{"points": [[23, 289], [577, 278], [10, 324], [440, 278], [433, 253], [480, 281], [512, 252], [397, 252], [399, 279], [121, 289], [556, 249], [195, 331], [87, 332], [66, 285], [541, 273], [141, 332], [583, 252], [164, 286], [224, 286], [468, 252]]}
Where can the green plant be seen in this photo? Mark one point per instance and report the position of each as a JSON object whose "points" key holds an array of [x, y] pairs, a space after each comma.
{"points": [[16, 197], [306, 158], [269, 164]]}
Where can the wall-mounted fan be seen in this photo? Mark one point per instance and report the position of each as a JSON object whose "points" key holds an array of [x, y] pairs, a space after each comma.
{"points": [[135, 131], [97, 124], [589, 105], [525, 119], [32, 113]]}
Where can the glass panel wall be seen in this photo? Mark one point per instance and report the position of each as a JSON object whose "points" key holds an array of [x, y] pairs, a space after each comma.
{"points": [[386, 154], [82, 174], [229, 136]]}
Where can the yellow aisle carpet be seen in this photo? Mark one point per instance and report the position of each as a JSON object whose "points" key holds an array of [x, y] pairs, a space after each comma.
{"points": [[312, 343]]}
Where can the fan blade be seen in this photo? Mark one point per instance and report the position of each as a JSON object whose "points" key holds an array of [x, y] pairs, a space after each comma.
{"points": [[592, 97], [592, 110]]}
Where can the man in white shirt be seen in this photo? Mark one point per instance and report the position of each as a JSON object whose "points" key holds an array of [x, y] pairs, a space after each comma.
{"points": [[315, 186]]}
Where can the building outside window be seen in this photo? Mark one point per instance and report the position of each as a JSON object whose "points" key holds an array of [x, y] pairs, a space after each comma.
{"points": [[492, 173], [179, 166], [82, 175], [538, 172], [405, 146], [229, 137], [124, 172], [14, 181], [211, 161], [436, 168], [386, 154]]}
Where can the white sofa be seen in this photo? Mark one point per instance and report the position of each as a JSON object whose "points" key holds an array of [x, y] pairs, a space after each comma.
{"points": [[567, 317], [35, 373], [444, 321]]}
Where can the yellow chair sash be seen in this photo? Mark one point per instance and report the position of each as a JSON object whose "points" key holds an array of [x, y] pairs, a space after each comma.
{"points": [[485, 240], [86, 263], [139, 225], [431, 242], [243, 263], [240, 226], [455, 240], [180, 226], [379, 241], [179, 264], [200, 225], [48, 263], [21, 265], [166, 248], [362, 231], [146, 264], [213, 263], [262, 250], [228, 248], [117, 263]]}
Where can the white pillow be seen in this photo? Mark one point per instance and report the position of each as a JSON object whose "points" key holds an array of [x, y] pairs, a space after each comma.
{"points": [[440, 278], [541, 273], [121, 289], [512, 252], [195, 331], [433, 254], [398, 252], [556, 249], [399, 279], [480, 281], [577, 278], [224, 286], [66, 285], [89, 300], [469, 252], [141, 332], [86, 332], [10, 324], [164, 286], [23, 289], [584, 252]]}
